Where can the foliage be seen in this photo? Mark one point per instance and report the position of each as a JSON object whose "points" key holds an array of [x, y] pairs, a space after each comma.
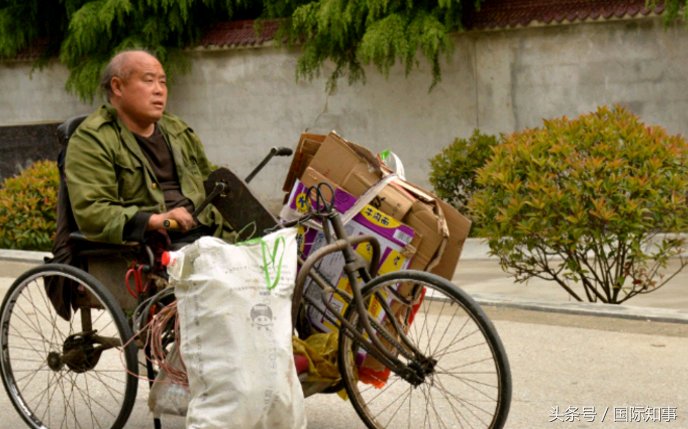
{"points": [[597, 201], [351, 34], [86, 33], [673, 9], [23, 22], [453, 170], [28, 208]]}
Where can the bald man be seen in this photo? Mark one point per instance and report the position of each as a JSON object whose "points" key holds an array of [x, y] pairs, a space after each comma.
{"points": [[131, 165]]}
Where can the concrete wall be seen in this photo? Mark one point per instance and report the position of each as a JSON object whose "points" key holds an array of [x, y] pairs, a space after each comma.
{"points": [[244, 101]]}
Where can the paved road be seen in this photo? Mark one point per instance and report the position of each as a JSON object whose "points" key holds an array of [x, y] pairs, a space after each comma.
{"points": [[601, 372], [565, 361]]}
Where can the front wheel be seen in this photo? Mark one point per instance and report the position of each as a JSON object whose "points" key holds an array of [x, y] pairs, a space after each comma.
{"points": [[73, 373], [452, 371]]}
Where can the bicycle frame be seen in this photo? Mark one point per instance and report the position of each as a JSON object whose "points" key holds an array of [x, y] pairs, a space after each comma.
{"points": [[359, 272]]}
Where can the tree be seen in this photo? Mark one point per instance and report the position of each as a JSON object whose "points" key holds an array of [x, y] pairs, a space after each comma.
{"points": [[673, 9], [86, 33], [454, 170], [599, 201], [353, 33], [350, 33]]}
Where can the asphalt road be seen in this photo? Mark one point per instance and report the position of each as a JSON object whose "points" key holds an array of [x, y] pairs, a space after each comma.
{"points": [[569, 370], [564, 367]]}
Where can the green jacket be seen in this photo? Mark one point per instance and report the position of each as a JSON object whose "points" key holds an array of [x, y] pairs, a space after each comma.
{"points": [[109, 179]]}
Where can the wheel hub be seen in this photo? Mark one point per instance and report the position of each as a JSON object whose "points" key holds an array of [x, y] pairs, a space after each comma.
{"points": [[420, 370], [54, 361], [79, 353]]}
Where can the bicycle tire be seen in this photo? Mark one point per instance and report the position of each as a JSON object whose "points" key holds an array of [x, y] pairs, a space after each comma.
{"points": [[468, 386], [66, 373]]}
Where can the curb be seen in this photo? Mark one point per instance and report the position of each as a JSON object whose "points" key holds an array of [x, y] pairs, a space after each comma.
{"points": [[23, 256], [475, 249], [661, 315]]}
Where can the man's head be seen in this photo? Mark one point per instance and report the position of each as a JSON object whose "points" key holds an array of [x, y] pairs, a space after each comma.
{"points": [[136, 86]]}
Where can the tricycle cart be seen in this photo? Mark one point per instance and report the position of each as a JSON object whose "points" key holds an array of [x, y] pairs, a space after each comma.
{"points": [[439, 360]]}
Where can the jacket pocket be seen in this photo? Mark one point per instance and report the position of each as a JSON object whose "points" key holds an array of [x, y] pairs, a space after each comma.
{"points": [[131, 182]]}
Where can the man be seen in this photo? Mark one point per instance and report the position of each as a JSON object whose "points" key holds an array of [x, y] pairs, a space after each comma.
{"points": [[130, 165]]}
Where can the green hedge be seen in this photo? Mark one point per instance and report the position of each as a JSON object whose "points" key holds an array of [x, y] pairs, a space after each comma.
{"points": [[454, 169], [28, 208], [598, 192]]}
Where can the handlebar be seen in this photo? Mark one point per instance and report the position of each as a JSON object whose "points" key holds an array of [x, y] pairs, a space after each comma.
{"points": [[275, 151], [170, 224], [281, 151]]}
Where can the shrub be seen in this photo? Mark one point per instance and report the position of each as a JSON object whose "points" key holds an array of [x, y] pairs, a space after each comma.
{"points": [[28, 207], [453, 170], [596, 201]]}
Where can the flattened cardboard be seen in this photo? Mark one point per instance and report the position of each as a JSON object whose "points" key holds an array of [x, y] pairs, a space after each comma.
{"points": [[459, 227], [440, 230], [305, 150]]}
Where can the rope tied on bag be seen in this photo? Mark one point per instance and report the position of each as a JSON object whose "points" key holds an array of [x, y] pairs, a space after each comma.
{"points": [[269, 264], [272, 258]]}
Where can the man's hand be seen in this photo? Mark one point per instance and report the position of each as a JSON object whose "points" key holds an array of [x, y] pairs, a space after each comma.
{"points": [[181, 215]]}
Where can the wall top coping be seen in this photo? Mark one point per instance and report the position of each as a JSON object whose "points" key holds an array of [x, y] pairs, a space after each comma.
{"points": [[492, 15]]}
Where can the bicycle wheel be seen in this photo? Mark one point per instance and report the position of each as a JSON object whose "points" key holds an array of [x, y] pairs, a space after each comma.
{"points": [[61, 373], [459, 377]]}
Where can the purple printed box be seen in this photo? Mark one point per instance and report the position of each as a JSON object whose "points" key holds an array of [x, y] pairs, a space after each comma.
{"points": [[392, 235]]}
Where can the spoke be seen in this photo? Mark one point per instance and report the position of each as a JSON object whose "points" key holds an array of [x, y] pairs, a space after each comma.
{"points": [[471, 363], [55, 385], [40, 393], [71, 403], [30, 376], [102, 313], [105, 407], [472, 383], [32, 370], [438, 415], [27, 341], [30, 325], [458, 415], [457, 340], [470, 405], [107, 373], [390, 402], [109, 390], [462, 391], [463, 349], [24, 360], [437, 319], [48, 305], [52, 322], [426, 416], [424, 327], [448, 325], [401, 402], [90, 404]]}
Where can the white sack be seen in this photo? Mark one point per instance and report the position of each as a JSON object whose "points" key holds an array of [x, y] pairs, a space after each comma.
{"points": [[234, 304]]}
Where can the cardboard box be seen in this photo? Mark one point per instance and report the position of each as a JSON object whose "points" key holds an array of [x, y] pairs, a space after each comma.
{"points": [[305, 150], [440, 230], [459, 227]]}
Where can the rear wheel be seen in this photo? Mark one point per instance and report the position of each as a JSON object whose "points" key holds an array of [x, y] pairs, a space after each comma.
{"points": [[66, 373], [459, 375]]}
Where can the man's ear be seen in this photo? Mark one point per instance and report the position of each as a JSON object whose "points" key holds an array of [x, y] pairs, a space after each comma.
{"points": [[116, 84]]}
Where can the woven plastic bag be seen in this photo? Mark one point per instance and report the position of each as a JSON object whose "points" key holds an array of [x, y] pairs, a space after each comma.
{"points": [[234, 304]]}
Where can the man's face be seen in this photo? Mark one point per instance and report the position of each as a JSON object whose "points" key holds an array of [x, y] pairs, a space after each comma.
{"points": [[142, 94]]}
